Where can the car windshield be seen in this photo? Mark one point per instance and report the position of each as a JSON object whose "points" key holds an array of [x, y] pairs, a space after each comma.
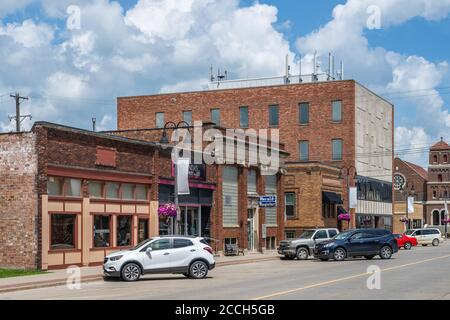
{"points": [[141, 244], [342, 235], [307, 234], [409, 232]]}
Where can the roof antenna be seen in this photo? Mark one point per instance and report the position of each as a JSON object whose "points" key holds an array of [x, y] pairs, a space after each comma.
{"points": [[288, 68], [329, 66], [93, 124], [211, 75], [300, 80]]}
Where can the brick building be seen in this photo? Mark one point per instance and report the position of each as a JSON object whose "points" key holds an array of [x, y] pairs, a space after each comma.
{"points": [[71, 196], [438, 185], [410, 180], [337, 123], [313, 197]]}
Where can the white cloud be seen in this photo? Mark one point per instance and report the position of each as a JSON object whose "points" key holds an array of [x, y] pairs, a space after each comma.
{"points": [[29, 34], [411, 143], [384, 70]]}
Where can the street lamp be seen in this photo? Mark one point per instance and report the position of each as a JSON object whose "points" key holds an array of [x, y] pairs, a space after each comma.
{"points": [[347, 171], [404, 190], [165, 140]]}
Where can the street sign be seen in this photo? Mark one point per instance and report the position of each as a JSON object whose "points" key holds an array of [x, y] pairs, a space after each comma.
{"points": [[268, 201]]}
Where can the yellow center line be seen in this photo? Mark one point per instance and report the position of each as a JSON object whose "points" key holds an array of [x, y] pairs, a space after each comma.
{"points": [[345, 278]]}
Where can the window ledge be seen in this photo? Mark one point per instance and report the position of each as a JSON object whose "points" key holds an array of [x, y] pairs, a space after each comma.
{"points": [[63, 250]]}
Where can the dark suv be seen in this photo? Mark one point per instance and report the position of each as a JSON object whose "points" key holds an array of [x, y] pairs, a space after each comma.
{"points": [[366, 243]]}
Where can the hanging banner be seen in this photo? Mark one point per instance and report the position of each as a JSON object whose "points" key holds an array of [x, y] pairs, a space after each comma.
{"points": [[182, 176], [410, 204], [353, 197], [446, 209]]}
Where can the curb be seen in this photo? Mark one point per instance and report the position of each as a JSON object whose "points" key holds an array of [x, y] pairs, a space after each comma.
{"points": [[86, 279]]}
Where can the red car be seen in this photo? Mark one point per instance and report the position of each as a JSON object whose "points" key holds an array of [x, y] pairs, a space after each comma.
{"points": [[405, 241]]}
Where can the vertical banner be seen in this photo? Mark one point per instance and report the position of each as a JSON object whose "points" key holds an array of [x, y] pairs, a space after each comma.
{"points": [[446, 209], [182, 176], [352, 197], [410, 204]]}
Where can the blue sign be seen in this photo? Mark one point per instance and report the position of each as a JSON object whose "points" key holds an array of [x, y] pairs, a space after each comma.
{"points": [[268, 201]]}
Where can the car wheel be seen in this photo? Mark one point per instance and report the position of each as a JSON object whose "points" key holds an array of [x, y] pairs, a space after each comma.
{"points": [[339, 254], [369, 257], [435, 242], [198, 270], [131, 272], [302, 253], [407, 246], [385, 252]]}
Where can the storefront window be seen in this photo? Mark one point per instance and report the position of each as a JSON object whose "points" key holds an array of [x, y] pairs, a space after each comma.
{"points": [[124, 231], [127, 191], [95, 189], [112, 190], [102, 232], [55, 186], [141, 192], [62, 231], [143, 230], [73, 187]]}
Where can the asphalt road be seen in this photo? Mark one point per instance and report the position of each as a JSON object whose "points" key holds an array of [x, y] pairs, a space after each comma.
{"points": [[421, 273]]}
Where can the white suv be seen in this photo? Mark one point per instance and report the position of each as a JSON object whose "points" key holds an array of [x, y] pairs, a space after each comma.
{"points": [[426, 236], [190, 256]]}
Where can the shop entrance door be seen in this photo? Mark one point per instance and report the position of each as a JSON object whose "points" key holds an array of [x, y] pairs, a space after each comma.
{"points": [[251, 230], [190, 221]]}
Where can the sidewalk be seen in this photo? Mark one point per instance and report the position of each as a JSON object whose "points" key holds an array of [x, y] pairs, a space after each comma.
{"points": [[88, 274]]}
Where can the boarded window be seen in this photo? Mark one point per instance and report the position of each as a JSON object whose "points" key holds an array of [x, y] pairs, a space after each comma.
{"points": [[106, 157], [230, 196], [251, 183], [271, 189]]}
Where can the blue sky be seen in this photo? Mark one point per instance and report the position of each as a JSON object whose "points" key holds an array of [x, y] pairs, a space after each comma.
{"points": [[146, 46]]}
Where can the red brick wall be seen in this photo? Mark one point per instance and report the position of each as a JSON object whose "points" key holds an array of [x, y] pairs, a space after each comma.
{"points": [[18, 201], [139, 112]]}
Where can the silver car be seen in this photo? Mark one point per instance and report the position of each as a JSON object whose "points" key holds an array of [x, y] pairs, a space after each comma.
{"points": [[303, 247]]}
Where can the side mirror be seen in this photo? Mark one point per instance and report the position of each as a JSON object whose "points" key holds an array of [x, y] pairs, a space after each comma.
{"points": [[148, 251]]}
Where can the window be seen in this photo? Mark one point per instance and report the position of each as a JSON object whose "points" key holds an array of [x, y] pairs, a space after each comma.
{"points": [[127, 191], [445, 158], [332, 233], [336, 149], [230, 241], [439, 177], [434, 194], [124, 231], [142, 230], [160, 120], [337, 111], [289, 234], [215, 116], [141, 192], [161, 244], [102, 231], [271, 243], [181, 243], [289, 203], [303, 113], [321, 234], [435, 159], [112, 190], [304, 150], [55, 186], [62, 231], [187, 116], [95, 189], [73, 187], [243, 117], [273, 116]]}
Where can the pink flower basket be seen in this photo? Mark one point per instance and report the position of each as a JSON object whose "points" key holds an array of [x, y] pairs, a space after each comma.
{"points": [[167, 210], [344, 217], [446, 221]]}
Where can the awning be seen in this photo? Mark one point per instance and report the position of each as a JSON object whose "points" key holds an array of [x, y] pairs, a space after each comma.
{"points": [[341, 210], [332, 197]]}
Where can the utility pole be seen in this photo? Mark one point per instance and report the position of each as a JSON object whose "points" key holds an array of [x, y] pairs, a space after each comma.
{"points": [[18, 117]]}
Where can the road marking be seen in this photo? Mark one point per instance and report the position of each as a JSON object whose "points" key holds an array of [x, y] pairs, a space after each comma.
{"points": [[345, 278]]}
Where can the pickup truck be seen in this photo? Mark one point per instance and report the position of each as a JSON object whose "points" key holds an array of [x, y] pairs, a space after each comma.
{"points": [[303, 247]]}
